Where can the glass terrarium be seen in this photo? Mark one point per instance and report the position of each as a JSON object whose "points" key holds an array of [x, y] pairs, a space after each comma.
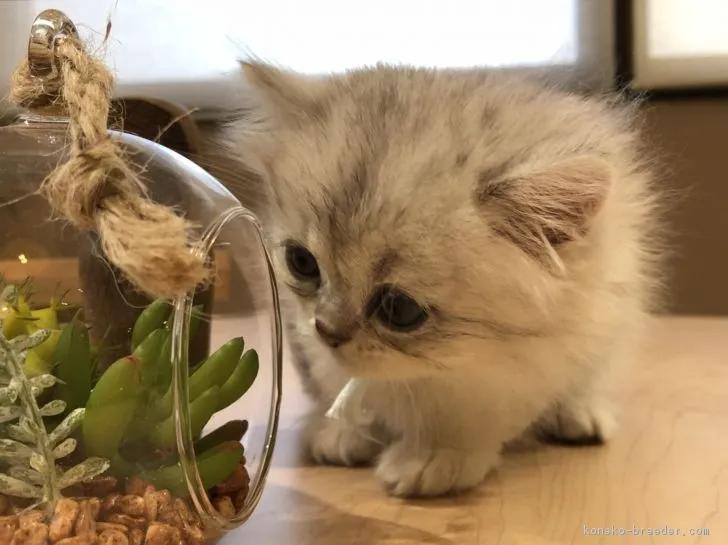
{"points": [[139, 420]]}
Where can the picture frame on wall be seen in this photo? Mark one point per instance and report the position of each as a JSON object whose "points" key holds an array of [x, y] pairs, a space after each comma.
{"points": [[678, 46]]}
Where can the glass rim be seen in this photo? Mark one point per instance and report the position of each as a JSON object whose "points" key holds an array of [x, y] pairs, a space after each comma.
{"points": [[182, 314]]}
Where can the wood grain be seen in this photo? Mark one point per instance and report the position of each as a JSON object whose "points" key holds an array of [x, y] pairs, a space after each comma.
{"points": [[667, 469]]}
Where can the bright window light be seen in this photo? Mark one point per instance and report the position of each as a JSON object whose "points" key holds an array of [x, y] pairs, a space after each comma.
{"points": [[687, 28], [187, 45], [169, 39], [680, 43], [331, 35]]}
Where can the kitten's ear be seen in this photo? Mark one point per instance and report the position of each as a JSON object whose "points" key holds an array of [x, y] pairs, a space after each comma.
{"points": [[541, 210], [286, 93]]}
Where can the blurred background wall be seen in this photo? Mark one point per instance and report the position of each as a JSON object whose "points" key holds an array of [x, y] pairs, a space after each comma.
{"points": [[675, 52]]}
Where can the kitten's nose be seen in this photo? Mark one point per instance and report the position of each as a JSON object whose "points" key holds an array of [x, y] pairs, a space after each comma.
{"points": [[330, 336]]}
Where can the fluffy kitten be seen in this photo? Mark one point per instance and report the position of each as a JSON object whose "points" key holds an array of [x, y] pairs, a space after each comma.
{"points": [[477, 247]]}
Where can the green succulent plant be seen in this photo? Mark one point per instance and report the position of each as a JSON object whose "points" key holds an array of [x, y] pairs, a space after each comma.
{"points": [[129, 412], [53, 404]]}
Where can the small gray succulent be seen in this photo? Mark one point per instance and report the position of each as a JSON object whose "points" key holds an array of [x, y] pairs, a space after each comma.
{"points": [[29, 451]]}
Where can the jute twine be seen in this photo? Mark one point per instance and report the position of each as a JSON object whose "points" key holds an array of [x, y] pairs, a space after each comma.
{"points": [[96, 189]]}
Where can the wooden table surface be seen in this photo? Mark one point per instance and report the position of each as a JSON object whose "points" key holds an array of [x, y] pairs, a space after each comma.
{"points": [[666, 471]]}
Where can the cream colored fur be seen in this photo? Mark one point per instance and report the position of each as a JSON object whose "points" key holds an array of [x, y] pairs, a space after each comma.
{"points": [[524, 215]]}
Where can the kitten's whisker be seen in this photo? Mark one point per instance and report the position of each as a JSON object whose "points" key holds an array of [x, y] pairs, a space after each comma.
{"points": [[233, 178], [415, 413], [501, 328]]}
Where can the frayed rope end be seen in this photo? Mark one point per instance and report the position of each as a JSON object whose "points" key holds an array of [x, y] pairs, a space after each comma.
{"points": [[96, 189]]}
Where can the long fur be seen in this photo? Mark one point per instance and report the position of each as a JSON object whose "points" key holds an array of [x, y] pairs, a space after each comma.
{"points": [[525, 220]]}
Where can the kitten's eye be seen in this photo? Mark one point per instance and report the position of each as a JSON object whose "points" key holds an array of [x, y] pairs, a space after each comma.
{"points": [[302, 263], [397, 310]]}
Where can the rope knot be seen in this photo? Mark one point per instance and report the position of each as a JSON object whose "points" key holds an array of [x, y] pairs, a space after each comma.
{"points": [[97, 189], [77, 188]]}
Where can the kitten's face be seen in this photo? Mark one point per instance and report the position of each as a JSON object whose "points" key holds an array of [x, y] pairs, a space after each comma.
{"points": [[422, 221]]}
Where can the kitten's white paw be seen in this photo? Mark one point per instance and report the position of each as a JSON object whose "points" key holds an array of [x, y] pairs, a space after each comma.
{"points": [[409, 472], [336, 442], [579, 423]]}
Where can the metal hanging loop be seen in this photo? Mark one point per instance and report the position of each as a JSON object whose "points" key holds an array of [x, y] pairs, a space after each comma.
{"points": [[49, 29]]}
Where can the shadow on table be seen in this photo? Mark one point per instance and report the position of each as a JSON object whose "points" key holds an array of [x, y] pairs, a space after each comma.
{"points": [[301, 519], [289, 455]]}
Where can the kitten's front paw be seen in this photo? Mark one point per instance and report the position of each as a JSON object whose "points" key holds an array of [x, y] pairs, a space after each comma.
{"points": [[407, 471], [578, 423], [337, 442]]}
